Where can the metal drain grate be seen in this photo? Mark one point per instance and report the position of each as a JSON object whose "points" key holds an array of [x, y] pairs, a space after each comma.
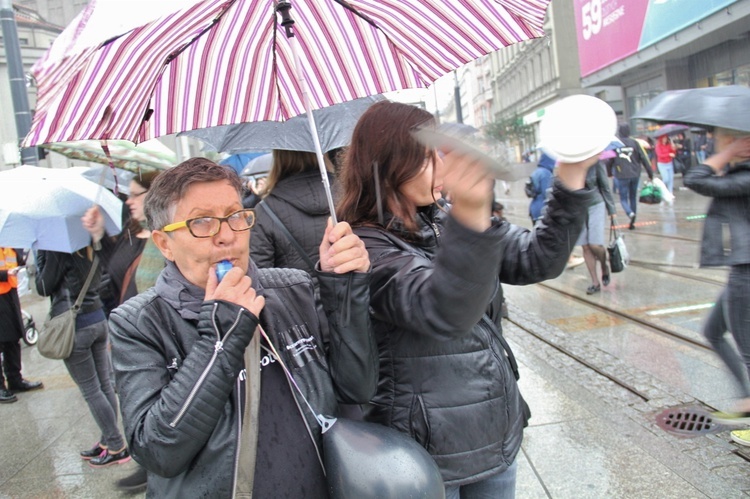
{"points": [[687, 421]]}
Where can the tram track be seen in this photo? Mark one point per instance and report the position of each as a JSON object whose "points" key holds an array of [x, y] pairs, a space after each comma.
{"points": [[628, 317], [580, 360]]}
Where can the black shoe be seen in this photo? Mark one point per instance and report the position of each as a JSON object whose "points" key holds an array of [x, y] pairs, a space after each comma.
{"points": [[593, 289], [605, 279], [25, 386], [108, 459], [96, 451], [136, 481], [7, 397], [632, 222]]}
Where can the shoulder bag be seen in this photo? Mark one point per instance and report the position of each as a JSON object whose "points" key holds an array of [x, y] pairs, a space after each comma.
{"points": [[57, 335], [618, 254]]}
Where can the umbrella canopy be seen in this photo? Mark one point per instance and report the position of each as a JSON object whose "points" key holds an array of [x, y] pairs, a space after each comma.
{"points": [[259, 167], [334, 123], [118, 179], [725, 106], [239, 161], [670, 129], [220, 62], [151, 155], [41, 208]]}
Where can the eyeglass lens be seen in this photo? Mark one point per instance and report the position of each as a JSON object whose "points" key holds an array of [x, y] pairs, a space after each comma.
{"points": [[209, 226]]}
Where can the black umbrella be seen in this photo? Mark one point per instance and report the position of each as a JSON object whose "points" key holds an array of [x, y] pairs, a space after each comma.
{"points": [[726, 107], [334, 123], [670, 129]]}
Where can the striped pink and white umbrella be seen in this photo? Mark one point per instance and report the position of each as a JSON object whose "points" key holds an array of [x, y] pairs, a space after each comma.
{"points": [[219, 62], [222, 62]]}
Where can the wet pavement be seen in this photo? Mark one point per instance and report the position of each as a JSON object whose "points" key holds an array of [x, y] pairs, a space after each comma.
{"points": [[596, 371]]}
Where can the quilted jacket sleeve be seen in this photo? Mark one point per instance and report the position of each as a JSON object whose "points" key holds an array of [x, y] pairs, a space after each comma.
{"points": [[534, 255], [703, 180], [169, 413], [352, 350], [445, 296]]}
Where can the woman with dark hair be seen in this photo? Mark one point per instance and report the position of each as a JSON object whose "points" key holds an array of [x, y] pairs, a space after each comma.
{"points": [[133, 263], [725, 178], [61, 276], [131, 259], [447, 376]]}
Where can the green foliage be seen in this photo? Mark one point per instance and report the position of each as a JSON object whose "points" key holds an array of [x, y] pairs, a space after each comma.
{"points": [[509, 130]]}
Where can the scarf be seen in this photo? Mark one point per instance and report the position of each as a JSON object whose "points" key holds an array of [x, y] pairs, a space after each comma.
{"points": [[184, 296]]}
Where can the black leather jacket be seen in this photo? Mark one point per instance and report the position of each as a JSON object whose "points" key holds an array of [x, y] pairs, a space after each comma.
{"points": [[730, 208], [61, 276], [446, 374], [179, 380]]}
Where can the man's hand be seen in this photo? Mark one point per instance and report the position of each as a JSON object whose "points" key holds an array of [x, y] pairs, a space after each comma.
{"points": [[342, 251], [235, 287]]}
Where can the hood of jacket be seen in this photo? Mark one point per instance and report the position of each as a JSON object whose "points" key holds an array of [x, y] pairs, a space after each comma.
{"points": [[304, 191], [546, 162]]}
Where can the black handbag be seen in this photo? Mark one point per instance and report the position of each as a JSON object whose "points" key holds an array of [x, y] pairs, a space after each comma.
{"points": [[618, 255], [57, 334]]}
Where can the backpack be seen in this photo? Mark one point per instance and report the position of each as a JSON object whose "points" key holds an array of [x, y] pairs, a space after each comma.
{"points": [[529, 188]]}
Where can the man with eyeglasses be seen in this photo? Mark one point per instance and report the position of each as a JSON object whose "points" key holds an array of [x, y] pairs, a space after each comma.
{"points": [[220, 380]]}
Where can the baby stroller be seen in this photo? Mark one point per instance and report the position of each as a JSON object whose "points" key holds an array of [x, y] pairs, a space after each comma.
{"points": [[30, 333]]}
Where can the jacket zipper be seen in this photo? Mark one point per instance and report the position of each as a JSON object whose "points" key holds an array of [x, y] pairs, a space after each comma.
{"points": [[239, 436], [218, 347], [432, 225]]}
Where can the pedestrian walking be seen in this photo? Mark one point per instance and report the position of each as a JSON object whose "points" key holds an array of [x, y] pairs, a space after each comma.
{"points": [[541, 181], [665, 154], [625, 167], [725, 177], [592, 239]]}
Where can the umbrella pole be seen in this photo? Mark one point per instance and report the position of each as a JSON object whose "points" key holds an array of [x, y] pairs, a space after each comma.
{"points": [[287, 22]]}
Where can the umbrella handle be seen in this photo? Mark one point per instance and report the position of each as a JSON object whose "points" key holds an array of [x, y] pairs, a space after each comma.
{"points": [[287, 22]]}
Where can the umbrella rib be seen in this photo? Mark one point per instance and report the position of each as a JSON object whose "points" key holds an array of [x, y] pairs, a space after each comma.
{"points": [[148, 112], [354, 11]]}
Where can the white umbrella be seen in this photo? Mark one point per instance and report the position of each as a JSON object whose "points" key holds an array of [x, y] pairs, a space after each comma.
{"points": [[41, 208]]}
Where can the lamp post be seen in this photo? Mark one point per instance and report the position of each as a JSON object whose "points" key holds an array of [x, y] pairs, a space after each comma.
{"points": [[29, 155]]}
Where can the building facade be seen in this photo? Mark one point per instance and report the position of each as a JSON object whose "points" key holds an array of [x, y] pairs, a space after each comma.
{"points": [[623, 51]]}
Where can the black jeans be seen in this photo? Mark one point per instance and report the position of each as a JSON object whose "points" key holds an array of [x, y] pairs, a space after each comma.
{"points": [[11, 351], [732, 313], [89, 365]]}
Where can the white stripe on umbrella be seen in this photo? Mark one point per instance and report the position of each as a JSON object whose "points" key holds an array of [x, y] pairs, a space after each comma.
{"points": [[242, 68]]}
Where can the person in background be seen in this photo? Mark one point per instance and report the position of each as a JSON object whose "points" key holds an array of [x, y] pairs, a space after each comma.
{"points": [[130, 258], [11, 328], [133, 263], [541, 178], [61, 276], [295, 194], [665, 154], [592, 236], [255, 185], [626, 168], [725, 177], [448, 378], [207, 408]]}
